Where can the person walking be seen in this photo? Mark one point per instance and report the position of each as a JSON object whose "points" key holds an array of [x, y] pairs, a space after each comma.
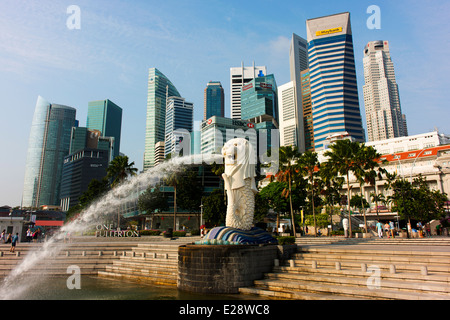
{"points": [[3, 237], [379, 229], [14, 241], [392, 228], [387, 230]]}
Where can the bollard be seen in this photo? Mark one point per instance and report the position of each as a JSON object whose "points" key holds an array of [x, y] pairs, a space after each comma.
{"points": [[276, 262], [1, 253], [292, 263], [67, 253], [166, 256], [100, 253], [154, 255], [363, 267], [133, 254], [424, 271], [143, 255], [392, 269], [338, 266], [83, 253], [18, 254], [124, 253], [314, 264], [115, 253]]}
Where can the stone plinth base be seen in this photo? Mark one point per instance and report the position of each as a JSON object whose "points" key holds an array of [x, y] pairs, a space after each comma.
{"points": [[222, 268]]}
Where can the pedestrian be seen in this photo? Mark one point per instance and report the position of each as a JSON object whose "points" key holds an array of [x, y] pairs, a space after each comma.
{"points": [[8, 239], [380, 229], [3, 236], [14, 241], [392, 228], [387, 230], [29, 235], [428, 229]]}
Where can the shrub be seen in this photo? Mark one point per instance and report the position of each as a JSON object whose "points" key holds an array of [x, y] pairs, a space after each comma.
{"points": [[195, 232], [286, 240], [150, 232], [179, 233]]}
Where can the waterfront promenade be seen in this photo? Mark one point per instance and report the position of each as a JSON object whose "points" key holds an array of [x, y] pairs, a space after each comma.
{"points": [[320, 268]]}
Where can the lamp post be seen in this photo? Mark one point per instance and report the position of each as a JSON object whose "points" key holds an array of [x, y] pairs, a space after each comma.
{"points": [[414, 164]]}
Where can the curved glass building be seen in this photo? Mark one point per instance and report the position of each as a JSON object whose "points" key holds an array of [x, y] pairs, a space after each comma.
{"points": [[48, 144], [159, 88]]}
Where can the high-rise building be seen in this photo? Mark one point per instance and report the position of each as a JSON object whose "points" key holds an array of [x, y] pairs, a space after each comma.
{"points": [[214, 100], [298, 58], [89, 156], [48, 144], [106, 117], [307, 111], [216, 131], [179, 125], [259, 105], [381, 97], [238, 77], [159, 88], [287, 106], [334, 89]]}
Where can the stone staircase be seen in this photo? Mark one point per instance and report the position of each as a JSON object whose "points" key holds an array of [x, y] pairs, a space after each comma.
{"points": [[155, 263], [333, 269], [89, 257]]}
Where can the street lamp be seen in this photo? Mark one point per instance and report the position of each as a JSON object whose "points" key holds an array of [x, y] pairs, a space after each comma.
{"points": [[414, 164]]}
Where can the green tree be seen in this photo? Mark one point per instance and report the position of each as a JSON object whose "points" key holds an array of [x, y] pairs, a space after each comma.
{"points": [[214, 208], [341, 158], [309, 166], [288, 157], [153, 200], [332, 185], [119, 170]]}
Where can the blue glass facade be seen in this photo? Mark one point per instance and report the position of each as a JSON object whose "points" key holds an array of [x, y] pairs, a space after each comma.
{"points": [[48, 144], [179, 116], [106, 117], [214, 100]]}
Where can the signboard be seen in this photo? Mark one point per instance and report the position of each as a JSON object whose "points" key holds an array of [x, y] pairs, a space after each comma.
{"points": [[328, 31], [247, 86]]}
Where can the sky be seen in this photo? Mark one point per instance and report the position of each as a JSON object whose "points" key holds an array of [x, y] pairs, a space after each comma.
{"points": [[192, 42]]}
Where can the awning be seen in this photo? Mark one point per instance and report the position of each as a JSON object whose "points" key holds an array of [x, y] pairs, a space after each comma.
{"points": [[49, 223]]}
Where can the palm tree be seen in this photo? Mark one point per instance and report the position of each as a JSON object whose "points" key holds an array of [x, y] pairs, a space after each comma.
{"points": [[308, 163], [366, 160], [172, 180], [341, 158], [118, 171], [288, 168], [333, 184]]}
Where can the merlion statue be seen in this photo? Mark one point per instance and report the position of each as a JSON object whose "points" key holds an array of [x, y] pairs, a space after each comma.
{"points": [[239, 177]]}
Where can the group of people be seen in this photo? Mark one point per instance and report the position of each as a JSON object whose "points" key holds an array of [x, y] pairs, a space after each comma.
{"points": [[13, 239], [388, 228]]}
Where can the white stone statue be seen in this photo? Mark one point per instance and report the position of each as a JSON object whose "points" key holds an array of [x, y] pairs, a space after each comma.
{"points": [[239, 177]]}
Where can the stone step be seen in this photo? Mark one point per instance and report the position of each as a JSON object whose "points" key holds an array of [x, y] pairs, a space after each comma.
{"points": [[142, 271], [362, 281], [356, 264], [384, 274], [374, 258], [346, 290], [293, 295]]}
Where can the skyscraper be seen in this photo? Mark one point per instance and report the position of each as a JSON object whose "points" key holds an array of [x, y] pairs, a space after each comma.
{"points": [[48, 144], [290, 96], [214, 100], [238, 77], [106, 117], [334, 90], [159, 88], [307, 111], [179, 125], [381, 97]]}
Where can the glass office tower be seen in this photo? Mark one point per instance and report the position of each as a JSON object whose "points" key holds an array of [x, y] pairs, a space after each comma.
{"points": [[334, 90], [48, 144], [159, 88], [214, 100], [179, 125], [106, 117]]}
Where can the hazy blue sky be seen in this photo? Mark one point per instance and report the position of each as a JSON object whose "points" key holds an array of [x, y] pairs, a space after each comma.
{"points": [[192, 42]]}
